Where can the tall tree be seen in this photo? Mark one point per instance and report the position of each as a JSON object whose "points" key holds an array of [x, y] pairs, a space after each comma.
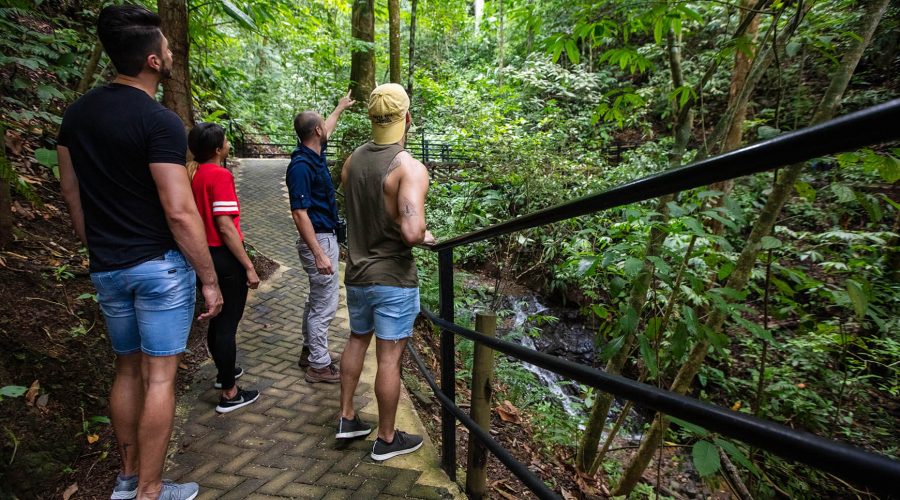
{"points": [[362, 67], [177, 89], [412, 47], [874, 10], [394, 32]]}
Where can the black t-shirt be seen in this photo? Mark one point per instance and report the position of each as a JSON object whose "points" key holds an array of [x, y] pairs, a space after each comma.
{"points": [[113, 134]]}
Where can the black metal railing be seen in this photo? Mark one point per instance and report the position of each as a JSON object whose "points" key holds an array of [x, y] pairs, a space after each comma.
{"points": [[874, 125]]}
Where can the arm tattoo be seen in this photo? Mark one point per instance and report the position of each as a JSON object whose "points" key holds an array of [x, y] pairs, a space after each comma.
{"points": [[409, 209]]}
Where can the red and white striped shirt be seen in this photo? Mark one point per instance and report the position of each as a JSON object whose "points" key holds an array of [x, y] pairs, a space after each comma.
{"points": [[214, 192]]}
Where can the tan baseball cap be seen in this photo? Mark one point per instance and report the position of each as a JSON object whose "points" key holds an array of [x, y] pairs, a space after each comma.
{"points": [[388, 105]]}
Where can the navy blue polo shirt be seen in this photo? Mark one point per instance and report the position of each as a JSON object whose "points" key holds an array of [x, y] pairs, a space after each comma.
{"points": [[310, 188]]}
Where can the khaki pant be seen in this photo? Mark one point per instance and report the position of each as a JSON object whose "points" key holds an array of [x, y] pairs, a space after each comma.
{"points": [[322, 301]]}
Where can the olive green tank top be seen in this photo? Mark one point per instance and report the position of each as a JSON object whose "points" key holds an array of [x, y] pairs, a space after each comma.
{"points": [[378, 255]]}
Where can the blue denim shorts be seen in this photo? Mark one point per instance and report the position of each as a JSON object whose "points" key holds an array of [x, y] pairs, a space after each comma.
{"points": [[148, 307], [389, 310]]}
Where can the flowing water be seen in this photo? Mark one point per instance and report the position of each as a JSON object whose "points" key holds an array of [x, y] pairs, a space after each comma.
{"points": [[567, 337]]}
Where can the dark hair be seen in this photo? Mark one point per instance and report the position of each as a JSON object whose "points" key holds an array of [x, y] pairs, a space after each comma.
{"points": [[129, 33], [305, 124], [204, 139]]}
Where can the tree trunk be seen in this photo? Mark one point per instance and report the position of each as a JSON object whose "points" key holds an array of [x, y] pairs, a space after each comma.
{"points": [[478, 7], [412, 47], [500, 42], [394, 31], [587, 459], [362, 67], [738, 79], [6, 177], [762, 227], [87, 77], [177, 89]]}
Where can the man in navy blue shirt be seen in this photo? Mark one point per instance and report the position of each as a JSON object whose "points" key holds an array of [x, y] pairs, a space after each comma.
{"points": [[314, 209]]}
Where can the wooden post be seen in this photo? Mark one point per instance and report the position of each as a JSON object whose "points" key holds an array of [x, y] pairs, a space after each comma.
{"points": [[482, 383]]}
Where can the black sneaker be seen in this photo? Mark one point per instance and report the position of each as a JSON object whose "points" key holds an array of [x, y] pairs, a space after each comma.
{"points": [[241, 399], [238, 373], [352, 428], [403, 443]]}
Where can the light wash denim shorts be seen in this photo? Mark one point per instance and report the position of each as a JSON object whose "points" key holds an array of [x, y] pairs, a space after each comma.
{"points": [[389, 310], [148, 307]]}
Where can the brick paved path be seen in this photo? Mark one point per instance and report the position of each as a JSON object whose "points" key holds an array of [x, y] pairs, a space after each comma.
{"points": [[283, 445]]}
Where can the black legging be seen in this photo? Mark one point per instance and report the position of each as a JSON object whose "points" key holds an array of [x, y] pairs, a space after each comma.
{"points": [[223, 328]]}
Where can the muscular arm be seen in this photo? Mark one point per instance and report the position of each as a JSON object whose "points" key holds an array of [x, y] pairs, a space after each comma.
{"points": [[69, 184], [308, 235], [232, 240], [411, 203], [184, 221]]}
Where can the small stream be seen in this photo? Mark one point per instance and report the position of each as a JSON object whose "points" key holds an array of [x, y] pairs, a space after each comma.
{"points": [[568, 337]]}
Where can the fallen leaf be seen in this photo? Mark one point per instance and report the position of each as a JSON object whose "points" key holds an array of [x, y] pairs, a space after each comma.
{"points": [[508, 412], [70, 491], [736, 406], [182, 366], [32, 393], [14, 142], [93, 438], [42, 401], [568, 496], [24, 212]]}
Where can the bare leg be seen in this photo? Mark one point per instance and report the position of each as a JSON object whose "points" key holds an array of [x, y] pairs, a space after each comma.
{"points": [[351, 368], [125, 404], [387, 384], [156, 421]]}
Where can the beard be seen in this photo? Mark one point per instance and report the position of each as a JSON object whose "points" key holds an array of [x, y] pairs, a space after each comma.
{"points": [[165, 72]]}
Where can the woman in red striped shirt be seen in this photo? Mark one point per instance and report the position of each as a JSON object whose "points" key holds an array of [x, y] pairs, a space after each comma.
{"points": [[214, 192]]}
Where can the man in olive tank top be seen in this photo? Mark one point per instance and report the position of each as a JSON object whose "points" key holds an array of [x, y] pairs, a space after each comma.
{"points": [[385, 201]]}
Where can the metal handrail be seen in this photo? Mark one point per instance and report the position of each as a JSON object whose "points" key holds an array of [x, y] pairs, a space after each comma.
{"points": [[838, 458], [853, 131], [874, 125]]}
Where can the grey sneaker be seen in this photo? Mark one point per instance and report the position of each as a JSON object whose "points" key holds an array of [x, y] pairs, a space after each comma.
{"points": [[238, 373], [348, 429], [175, 491], [403, 443], [126, 488]]}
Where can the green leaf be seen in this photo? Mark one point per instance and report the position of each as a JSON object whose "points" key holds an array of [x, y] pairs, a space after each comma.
{"points": [[805, 191], [46, 157], [12, 391], [694, 226], [858, 297], [843, 193], [238, 15], [792, 48], [648, 356], [766, 132], [572, 51], [889, 169], [612, 347], [769, 242], [706, 458], [692, 428], [633, 266], [725, 270], [737, 455]]}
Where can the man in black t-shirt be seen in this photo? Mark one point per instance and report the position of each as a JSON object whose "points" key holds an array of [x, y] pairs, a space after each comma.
{"points": [[121, 157]]}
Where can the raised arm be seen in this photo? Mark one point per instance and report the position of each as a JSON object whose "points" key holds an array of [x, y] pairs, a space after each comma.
{"points": [[184, 221], [331, 121]]}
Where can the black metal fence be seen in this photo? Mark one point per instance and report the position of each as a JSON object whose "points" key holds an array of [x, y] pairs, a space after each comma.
{"points": [[875, 125]]}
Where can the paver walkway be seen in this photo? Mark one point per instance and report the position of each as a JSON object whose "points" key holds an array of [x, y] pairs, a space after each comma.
{"points": [[283, 445]]}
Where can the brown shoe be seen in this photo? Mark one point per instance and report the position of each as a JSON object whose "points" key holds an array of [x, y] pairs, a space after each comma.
{"points": [[330, 374], [303, 362]]}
